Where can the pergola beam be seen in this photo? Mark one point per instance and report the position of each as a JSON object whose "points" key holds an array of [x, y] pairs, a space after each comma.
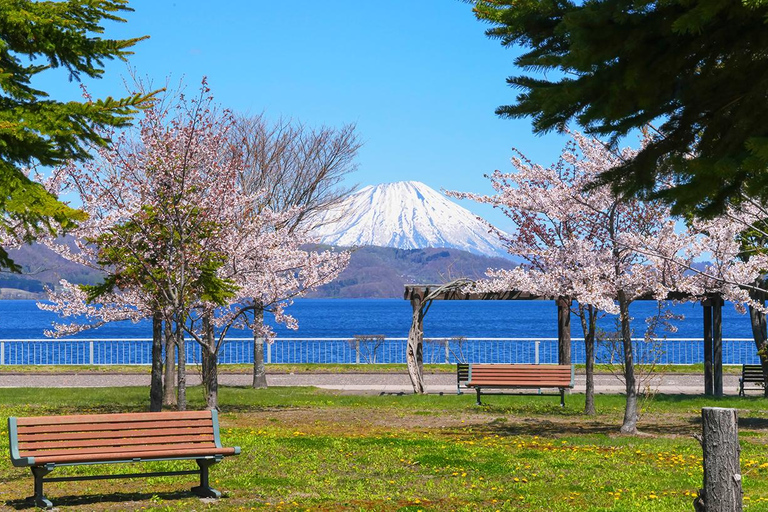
{"points": [[713, 325]]}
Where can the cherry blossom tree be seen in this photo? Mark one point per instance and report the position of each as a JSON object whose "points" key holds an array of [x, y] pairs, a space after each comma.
{"points": [[735, 245], [573, 238], [179, 238]]}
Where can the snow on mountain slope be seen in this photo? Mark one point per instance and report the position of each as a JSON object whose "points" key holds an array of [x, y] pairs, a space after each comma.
{"points": [[406, 215]]}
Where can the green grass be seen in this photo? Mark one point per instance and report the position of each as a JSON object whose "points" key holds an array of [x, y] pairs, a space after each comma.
{"points": [[232, 368], [309, 449], [332, 368]]}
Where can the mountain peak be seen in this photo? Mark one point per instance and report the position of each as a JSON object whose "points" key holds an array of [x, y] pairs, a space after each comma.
{"points": [[405, 215]]}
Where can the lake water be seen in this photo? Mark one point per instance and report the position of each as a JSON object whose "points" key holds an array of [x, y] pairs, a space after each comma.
{"points": [[345, 318]]}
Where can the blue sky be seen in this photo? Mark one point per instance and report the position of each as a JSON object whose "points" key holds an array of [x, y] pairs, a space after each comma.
{"points": [[420, 78]]}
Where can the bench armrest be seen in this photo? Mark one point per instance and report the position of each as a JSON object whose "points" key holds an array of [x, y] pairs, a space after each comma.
{"points": [[13, 443]]}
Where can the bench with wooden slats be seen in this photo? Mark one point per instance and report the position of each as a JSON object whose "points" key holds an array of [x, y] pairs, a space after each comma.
{"points": [[46, 442], [750, 373], [517, 376]]}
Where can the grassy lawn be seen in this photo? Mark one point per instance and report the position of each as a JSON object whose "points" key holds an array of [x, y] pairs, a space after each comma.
{"points": [[305, 449]]}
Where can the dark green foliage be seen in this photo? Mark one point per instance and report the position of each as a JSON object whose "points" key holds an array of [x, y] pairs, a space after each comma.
{"points": [[146, 253], [696, 68], [36, 130]]}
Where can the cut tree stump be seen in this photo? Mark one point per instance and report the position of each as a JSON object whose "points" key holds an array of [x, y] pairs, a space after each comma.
{"points": [[722, 474]]}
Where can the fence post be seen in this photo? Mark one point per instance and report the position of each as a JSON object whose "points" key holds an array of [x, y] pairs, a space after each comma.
{"points": [[536, 351], [722, 474], [2, 353], [90, 352], [447, 351], [357, 350], [269, 351]]}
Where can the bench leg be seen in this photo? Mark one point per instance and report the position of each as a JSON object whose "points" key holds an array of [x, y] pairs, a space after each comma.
{"points": [[204, 490], [40, 500], [562, 397], [478, 396], [741, 387]]}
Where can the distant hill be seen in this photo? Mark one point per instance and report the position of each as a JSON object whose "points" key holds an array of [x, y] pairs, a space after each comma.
{"points": [[41, 267], [382, 272], [373, 272]]}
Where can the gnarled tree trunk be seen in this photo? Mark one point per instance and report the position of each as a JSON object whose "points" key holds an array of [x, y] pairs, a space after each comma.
{"points": [[156, 381], [760, 334], [169, 383], [181, 370], [588, 316], [259, 368], [210, 364], [563, 330], [629, 426], [414, 354]]}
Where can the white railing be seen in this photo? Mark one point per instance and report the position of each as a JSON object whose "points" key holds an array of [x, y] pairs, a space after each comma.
{"points": [[138, 351]]}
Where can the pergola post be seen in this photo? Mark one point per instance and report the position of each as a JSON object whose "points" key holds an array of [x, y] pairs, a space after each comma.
{"points": [[717, 344], [563, 330], [713, 346], [709, 389], [414, 347]]}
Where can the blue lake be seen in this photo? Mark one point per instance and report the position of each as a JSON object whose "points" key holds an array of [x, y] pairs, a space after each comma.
{"points": [[330, 318], [339, 318]]}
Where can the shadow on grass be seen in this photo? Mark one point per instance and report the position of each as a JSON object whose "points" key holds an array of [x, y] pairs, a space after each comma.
{"points": [[546, 428], [92, 499]]}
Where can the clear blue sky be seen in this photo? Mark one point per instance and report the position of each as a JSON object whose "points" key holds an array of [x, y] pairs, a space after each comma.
{"points": [[419, 77]]}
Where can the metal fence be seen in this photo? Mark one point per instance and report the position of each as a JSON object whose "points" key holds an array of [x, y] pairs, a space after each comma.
{"points": [[361, 350]]}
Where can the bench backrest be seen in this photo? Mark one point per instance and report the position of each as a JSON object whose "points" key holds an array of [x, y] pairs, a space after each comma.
{"points": [[39, 439], [533, 375], [752, 372], [462, 372]]}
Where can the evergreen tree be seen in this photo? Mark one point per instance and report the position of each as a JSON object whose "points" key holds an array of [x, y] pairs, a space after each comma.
{"points": [[36, 130], [692, 72]]}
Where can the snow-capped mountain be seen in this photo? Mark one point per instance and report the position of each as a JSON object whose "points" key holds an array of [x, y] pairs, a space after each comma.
{"points": [[406, 215]]}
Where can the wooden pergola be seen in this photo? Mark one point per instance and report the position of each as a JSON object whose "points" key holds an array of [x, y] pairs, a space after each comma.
{"points": [[713, 324]]}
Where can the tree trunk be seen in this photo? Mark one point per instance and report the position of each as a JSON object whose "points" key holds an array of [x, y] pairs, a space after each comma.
{"points": [[722, 474], [169, 384], [259, 369], [210, 365], [414, 351], [760, 334], [181, 370], [588, 317], [563, 330], [629, 426], [156, 381]]}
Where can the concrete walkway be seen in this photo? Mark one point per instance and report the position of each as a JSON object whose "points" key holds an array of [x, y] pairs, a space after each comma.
{"points": [[373, 383]]}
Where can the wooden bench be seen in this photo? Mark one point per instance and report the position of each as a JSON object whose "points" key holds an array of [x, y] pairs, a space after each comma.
{"points": [[44, 443], [515, 376], [750, 373]]}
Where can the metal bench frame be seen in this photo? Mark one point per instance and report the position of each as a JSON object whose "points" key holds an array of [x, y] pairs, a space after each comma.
{"points": [[464, 376], [750, 373], [39, 471]]}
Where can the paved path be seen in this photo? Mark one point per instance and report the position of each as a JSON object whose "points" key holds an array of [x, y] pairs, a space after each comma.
{"points": [[673, 383]]}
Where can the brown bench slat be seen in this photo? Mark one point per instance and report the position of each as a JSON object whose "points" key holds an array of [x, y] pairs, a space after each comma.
{"points": [[112, 434], [480, 375], [116, 456], [521, 376], [32, 445], [111, 426], [519, 382], [137, 449], [113, 418], [508, 367], [43, 443]]}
